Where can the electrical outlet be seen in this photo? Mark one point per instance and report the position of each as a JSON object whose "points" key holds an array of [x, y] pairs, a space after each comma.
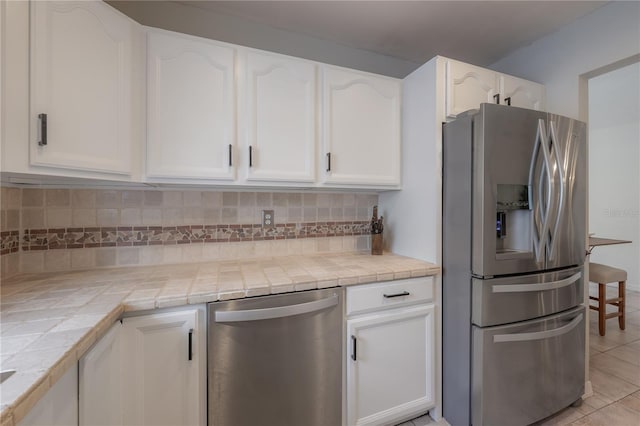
{"points": [[268, 219]]}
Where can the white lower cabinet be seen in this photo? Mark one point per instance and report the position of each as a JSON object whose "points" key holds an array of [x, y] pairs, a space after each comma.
{"points": [[164, 368], [100, 381], [390, 355], [59, 406]]}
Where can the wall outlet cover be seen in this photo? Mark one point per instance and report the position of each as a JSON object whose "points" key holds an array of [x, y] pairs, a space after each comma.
{"points": [[268, 219]]}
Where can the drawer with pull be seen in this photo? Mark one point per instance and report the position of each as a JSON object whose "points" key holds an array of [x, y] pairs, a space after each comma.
{"points": [[387, 295]]}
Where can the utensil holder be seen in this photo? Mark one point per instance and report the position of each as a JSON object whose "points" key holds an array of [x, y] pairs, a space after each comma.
{"points": [[376, 244]]}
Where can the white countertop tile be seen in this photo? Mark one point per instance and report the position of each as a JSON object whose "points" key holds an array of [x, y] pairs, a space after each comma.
{"points": [[50, 320]]}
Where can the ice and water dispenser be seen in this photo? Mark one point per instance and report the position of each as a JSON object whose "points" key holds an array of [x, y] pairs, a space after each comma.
{"points": [[513, 221]]}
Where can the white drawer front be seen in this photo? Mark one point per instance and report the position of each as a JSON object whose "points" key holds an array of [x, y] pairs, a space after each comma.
{"points": [[391, 294]]}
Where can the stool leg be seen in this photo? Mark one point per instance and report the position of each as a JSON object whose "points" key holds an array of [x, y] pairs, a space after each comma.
{"points": [[602, 308], [621, 288]]}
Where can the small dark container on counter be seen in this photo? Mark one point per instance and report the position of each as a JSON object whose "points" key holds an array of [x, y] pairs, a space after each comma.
{"points": [[376, 232], [376, 244]]}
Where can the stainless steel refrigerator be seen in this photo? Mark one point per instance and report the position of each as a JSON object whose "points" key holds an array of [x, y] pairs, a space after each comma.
{"points": [[514, 224]]}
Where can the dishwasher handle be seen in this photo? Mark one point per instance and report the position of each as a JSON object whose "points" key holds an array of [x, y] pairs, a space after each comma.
{"points": [[279, 312]]}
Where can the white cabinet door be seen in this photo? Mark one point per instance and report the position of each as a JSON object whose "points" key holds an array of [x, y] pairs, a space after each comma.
{"points": [[522, 93], [100, 384], [390, 365], [190, 107], [81, 84], [361, 128], [59, 406], [468, 86], [279, 112], [164, 375]]}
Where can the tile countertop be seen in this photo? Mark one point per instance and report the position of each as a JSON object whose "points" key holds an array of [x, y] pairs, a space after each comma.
{"points": [[48, 321]]}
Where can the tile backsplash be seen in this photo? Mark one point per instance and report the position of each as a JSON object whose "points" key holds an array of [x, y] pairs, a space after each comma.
{"points": [[62, 229]]}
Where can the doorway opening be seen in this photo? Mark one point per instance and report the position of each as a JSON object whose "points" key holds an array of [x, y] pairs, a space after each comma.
{"points": [[614, 167]]}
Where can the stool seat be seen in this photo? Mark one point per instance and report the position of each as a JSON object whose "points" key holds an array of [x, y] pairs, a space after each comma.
{"points": [[603, 274], [599, 273]]}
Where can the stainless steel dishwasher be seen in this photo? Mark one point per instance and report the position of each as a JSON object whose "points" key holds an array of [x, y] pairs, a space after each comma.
{"points": [[276, 360]]}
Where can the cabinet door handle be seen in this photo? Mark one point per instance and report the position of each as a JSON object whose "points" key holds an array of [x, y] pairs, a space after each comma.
{"points": [[190, 344], [43, 129], [328, 161], [389, 296], [508, 100], [354, 347], [250, 156], [230, 155], [497, 98]]}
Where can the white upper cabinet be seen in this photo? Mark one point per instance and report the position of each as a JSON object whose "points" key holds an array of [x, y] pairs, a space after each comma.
{"points": [[279, 117], [522, 93], [468, 86], [190, 107], [82, 58], [361, 128]]}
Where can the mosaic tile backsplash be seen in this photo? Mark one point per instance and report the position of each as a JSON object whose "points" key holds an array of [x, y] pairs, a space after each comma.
{"points": [[60, 229]]}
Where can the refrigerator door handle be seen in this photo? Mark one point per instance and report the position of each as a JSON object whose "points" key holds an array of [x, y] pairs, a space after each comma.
{"points": [[541, 208], [520, 288], [560, 196], [538, 335]]}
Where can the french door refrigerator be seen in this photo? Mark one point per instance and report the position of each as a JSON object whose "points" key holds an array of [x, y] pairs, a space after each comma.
{"points": [[514, 224]]}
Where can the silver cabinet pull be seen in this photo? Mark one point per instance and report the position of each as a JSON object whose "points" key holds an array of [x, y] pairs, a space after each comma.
{"points": [[230, 155], [279, 312], [328, 161], [250, 156], [519, 288], [538, 335]]}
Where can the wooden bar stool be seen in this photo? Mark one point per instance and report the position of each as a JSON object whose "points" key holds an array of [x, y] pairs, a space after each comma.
{"points": [[603, 274]]}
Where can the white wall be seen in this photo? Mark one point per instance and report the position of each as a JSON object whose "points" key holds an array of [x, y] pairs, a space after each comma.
{"points": [[605, 36], [614, 175], [413, 216], [205, 23]]}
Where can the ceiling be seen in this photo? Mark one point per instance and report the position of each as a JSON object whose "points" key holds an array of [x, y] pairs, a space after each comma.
{"points": [[479, 32]]}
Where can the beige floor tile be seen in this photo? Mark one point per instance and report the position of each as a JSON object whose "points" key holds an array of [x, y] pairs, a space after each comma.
{"points": [[613, 415], [633, 318], [564, 417], [629, 353], [594, 402], [593, 351], [423, 421], [613, 337], [632, 300], [633, 403], [600, 343], [611, 365], [609, 387]]}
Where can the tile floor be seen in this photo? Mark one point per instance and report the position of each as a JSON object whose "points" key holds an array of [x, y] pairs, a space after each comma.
{"points": [[424, 421], [614, 371]]}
